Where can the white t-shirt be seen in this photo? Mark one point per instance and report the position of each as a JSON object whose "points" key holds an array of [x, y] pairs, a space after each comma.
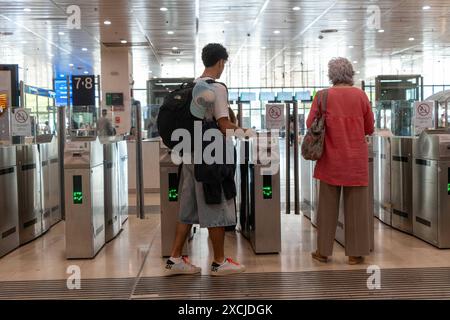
{"points": [[209, 100]]}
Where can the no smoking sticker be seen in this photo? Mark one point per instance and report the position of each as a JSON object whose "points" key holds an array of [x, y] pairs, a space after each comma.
{"points": [[21, 123], [274, 116], [424, 110], [21, 116], [275, 112], [423, 118]]}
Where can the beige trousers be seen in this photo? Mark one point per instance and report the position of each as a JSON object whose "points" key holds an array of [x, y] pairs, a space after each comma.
{"points": [[357, 236]]}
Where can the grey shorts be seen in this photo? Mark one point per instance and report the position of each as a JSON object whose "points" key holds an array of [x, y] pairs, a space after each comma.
{"points": [[194, 210]]}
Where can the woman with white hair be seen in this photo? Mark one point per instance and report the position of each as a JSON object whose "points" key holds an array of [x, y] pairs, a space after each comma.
{"points": [[344, 163]]}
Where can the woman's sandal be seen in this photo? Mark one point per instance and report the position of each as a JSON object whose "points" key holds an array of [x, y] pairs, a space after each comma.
{"points": [[316, 255]]}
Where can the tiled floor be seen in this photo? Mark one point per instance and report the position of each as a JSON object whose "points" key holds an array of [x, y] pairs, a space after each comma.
{"points": [[136, 252]]}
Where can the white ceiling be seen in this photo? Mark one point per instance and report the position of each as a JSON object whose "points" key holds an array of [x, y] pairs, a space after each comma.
{"points": [[258, 57]]}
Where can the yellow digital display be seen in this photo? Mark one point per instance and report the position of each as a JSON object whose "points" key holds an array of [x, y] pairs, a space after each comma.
{"points": [[3, 103]]}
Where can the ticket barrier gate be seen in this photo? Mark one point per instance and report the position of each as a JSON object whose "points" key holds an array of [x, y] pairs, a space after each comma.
{"points": [[29, 191], [113, 224], [50, 185], [401, 183], [340, 230], [45, 187], [314, 196], [84, 188], [383, 178], [431, 187], [259, 199], [54, 181], [9, 213], [123, 180], [306, 187], [170, 201]]}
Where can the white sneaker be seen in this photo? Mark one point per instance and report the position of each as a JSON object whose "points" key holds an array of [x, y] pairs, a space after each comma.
{"points": [[226, 268], [182, 267]]}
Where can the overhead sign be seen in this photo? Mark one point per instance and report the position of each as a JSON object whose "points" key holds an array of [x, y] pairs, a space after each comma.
{"points": [[83, 90], [248, 96], [303, 96], [21, 123], [275, 116], [284, 96], [233, 96], [423, 115], [61, 92], [267, 96]]}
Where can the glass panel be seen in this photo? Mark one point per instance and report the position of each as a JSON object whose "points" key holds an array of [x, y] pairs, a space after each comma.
{"points": [[303, 112], [256, 115], [246, 115], [149, 121], [140, 95], [31, 102], [427, 91], [395, 115], [443, 122], [383, 115], [402, 115], [83, 121]]}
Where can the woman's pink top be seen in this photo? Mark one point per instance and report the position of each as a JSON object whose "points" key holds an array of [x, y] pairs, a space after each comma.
{"points": [[349, 119]]}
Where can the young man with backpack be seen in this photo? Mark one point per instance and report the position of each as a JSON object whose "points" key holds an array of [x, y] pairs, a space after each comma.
{"points": [[209, 103]]}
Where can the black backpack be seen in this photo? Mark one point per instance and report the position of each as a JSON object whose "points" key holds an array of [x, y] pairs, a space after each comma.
{"points": [[175, 113]]}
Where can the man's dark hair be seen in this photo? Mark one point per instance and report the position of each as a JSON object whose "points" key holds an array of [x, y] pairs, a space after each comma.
{"points": [[213, 53]]}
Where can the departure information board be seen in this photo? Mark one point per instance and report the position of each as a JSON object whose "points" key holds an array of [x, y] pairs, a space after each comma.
{"points": [[61, 92]]}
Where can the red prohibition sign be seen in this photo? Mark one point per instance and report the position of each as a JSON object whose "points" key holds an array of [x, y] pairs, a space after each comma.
{"points": [[275, 112], [21, 116], [424, 110]]}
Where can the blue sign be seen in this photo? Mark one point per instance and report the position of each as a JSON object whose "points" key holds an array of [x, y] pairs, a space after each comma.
{"points": [[39, 92], [303, 96], [233, 96], [267, 96], [284, 96], [61, 92], [248, 96]]}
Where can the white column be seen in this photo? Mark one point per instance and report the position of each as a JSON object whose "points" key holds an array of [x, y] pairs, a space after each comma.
{"points": [[117, 77]]}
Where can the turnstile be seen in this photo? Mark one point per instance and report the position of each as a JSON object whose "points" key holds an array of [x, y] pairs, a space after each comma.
{"points": [[401, 183], [383, 179], [54, 181], [315, 189], [306, 187], [259, 214], [9, 212], [29, 191], [170, 202], [431, 187], [340, 230], [243, 197], [113, 224], [84, 188], [123, 180], [46, 218]]}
